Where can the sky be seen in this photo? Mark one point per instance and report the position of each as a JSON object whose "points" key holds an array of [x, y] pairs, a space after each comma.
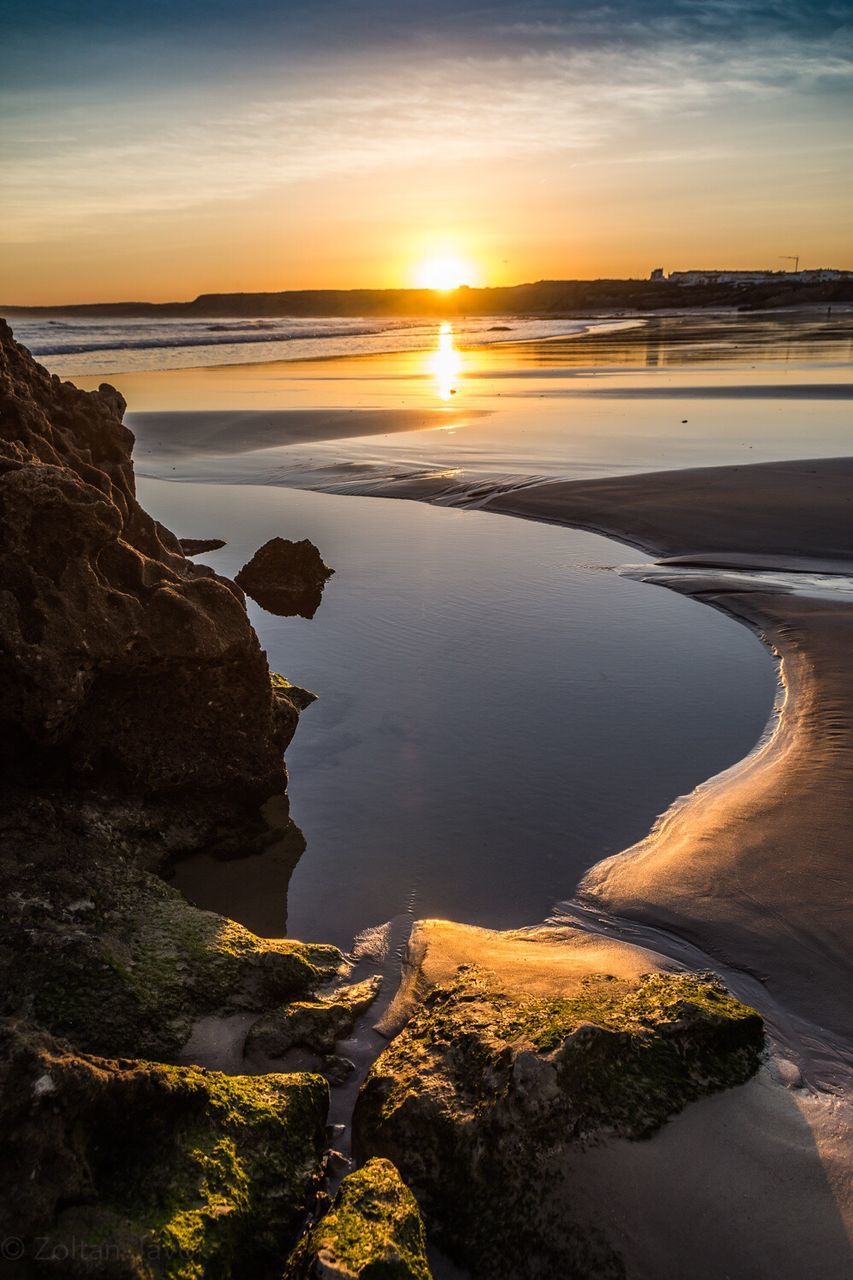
{"points": [[161, 149]]}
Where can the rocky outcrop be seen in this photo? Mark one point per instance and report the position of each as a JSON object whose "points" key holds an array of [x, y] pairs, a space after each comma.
{"points": [[286, 577], [116, 960], [123, 665], [134, 1170], [316, 1025], [485, 1092], [373, 1231], [198, 546], [139, 720]]}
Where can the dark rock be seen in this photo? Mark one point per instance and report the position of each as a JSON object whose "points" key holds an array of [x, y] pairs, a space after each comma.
{"points": [[482, 1097], [139, 721], [196, 546], [373, 1231], [130, 1170], [300, 698], [286, 578], [98, 950], [123, 665], [316, 1025], [337, 1069]]}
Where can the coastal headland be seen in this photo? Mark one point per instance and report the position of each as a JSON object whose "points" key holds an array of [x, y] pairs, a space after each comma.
{"points": [[542, 297]]}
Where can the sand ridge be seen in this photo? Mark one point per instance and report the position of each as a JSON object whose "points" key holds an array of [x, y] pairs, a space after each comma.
{"points": [[754, 868]]}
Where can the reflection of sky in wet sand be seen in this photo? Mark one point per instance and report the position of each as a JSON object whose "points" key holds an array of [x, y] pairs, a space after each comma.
{"points": [[510, 410], [829, 586]]}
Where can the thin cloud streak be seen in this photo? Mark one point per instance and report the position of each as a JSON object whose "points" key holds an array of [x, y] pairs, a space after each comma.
{"points": [[152, 157]]}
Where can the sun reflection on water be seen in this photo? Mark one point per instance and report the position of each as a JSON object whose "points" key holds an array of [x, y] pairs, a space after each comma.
{"points": [[445, 362]]}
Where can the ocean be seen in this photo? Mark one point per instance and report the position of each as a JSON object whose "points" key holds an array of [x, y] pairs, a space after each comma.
{"points": [[75, 345]]}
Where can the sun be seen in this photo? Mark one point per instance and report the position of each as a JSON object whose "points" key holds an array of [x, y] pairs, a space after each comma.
{"points": [[444, 273]]}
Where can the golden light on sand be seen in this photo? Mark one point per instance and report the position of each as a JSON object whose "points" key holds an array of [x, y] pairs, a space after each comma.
{"points": [[445, 362], [444, 273]]}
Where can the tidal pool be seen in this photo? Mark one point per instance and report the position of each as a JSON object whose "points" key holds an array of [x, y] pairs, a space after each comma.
{"points": [[498, 709]]}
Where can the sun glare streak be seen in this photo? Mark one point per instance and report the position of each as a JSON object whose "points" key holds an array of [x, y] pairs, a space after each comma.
{"points": [[445, 362]]}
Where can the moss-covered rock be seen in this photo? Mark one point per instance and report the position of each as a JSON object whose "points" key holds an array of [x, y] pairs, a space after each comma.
{"points": [[119, 962], [373, 1231], [113, 1168], [480, 1096], [316, 1025]]}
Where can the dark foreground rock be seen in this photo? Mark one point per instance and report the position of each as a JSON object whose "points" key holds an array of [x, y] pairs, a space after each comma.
{"points": [[482, 1094], [99, 950], [123, 665], [286, 578], [197, 546], [373, 1231], [137, 1170], [139, 721]]}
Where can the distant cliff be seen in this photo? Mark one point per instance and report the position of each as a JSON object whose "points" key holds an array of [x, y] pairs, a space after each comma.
{"points": [[545, 297]]}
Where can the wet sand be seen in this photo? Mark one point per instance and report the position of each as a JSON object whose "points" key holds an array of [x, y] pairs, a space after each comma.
{"points": [[779, 514], [754, 869], [232, 432], [749, 1183], [756, 865]]}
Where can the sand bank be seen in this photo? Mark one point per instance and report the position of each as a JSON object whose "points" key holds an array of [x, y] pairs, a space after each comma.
{"points": [[770, 513], [753, 868], [748, 1183], [234, 431]]}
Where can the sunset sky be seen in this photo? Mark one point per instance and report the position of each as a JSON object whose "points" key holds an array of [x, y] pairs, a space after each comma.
{"points": [[158, 150]]}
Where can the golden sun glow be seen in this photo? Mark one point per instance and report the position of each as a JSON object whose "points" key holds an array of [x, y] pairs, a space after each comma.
{"points": [[444, 273]]}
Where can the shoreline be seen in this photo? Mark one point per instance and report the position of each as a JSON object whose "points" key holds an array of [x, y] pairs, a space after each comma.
{"points": [[594, 1041], [751, 872], [704, 516], [586, 334]]}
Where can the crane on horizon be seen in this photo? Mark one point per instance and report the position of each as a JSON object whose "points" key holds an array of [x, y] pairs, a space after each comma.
{"points": [[791, 257]]}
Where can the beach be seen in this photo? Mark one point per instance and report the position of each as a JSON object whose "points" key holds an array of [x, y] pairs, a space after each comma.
{"points": [[752, 870], [656, 863], [426, 608], [749, 873]]}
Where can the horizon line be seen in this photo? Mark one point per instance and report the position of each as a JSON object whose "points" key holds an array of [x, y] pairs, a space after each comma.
{"points": [[420, 290]]}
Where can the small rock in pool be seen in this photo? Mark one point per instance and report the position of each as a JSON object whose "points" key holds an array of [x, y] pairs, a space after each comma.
{"points": [[195, 546], [286, 578]]}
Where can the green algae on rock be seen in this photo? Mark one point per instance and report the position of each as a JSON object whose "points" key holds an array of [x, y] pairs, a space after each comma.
{"points": [[373, 1231], [134, 1169], [483, 1092], [120, 963]]}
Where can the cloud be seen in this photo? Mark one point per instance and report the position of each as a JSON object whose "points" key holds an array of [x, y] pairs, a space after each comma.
{"points": [[76, 163]]}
